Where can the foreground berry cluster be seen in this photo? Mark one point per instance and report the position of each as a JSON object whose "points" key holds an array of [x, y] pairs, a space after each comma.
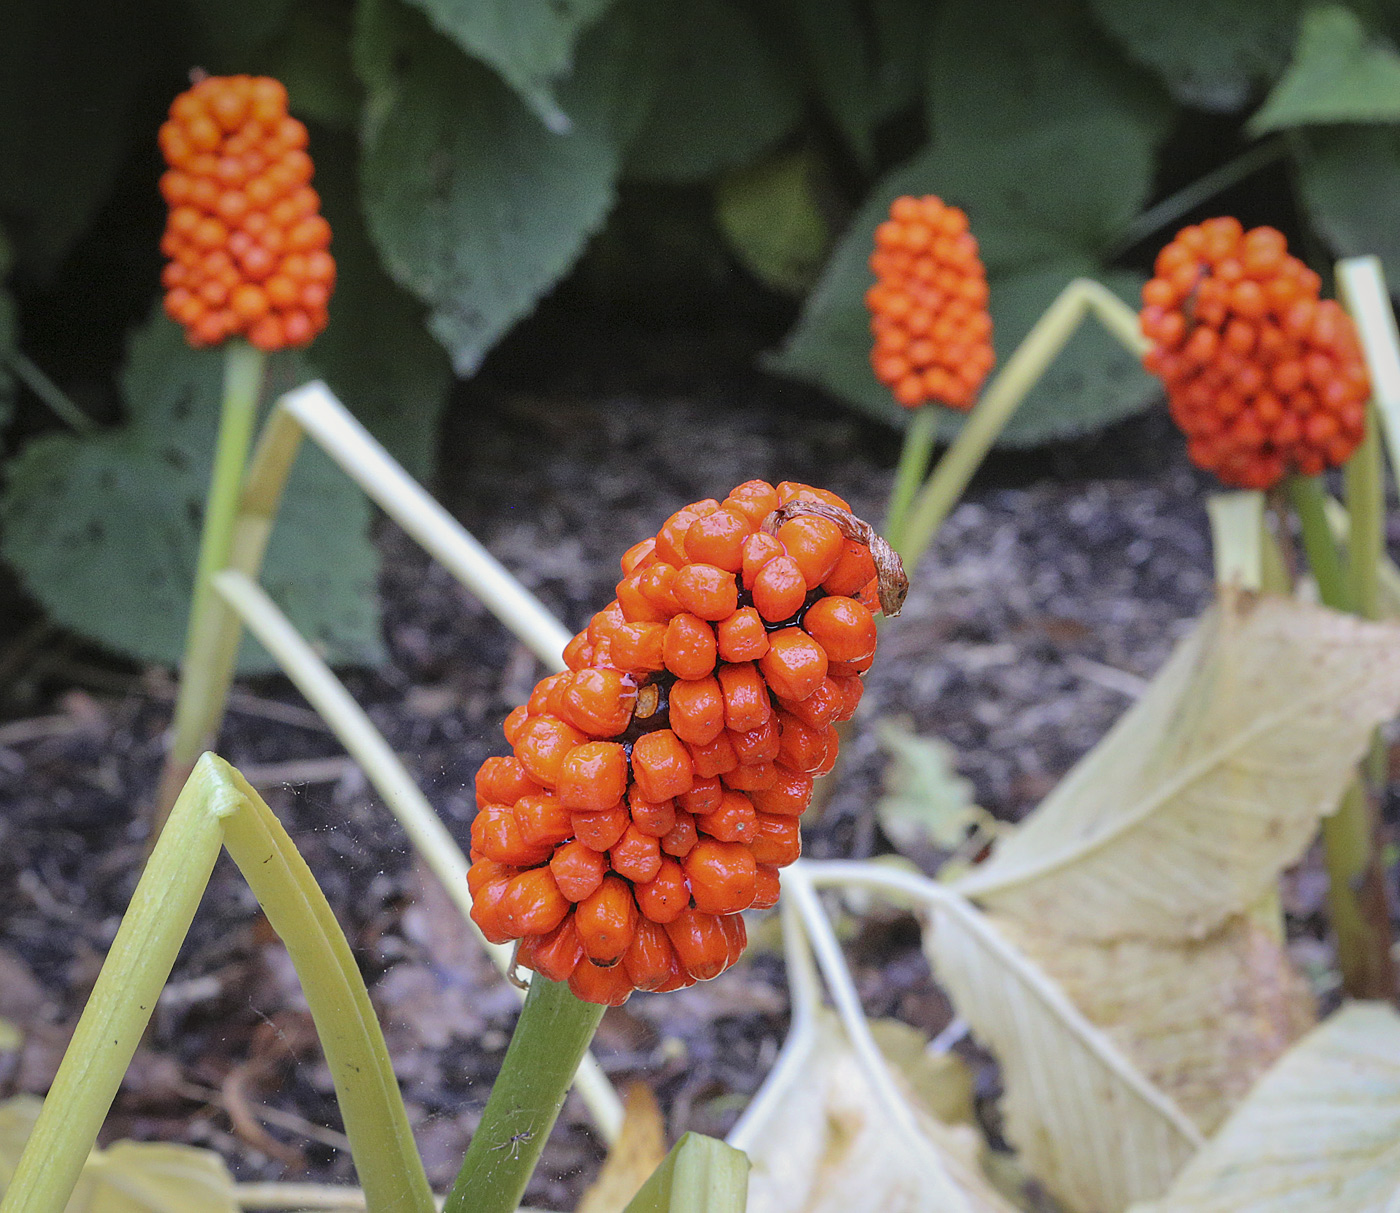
{"points": [[933, 333], [1263, 376], [246, 242], [656, 785]]}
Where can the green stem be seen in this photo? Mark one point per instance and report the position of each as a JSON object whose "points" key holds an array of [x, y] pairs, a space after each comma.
{"points": [[59, 402], [1173, 208], [1309, 499], [914, 457], [207, 668], [1365, 501], [1355, 884], [550, 1039], [217, 807], [1023, 370]]}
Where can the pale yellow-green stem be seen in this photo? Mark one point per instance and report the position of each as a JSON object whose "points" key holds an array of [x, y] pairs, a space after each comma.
{"points": [[1023, 370], [430, 838], [919, 437], [207, 668], [699, 1175], [218, 808]]}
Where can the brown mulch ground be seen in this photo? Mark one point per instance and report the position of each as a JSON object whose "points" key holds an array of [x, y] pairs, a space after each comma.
{"points": [[1048, 599]]}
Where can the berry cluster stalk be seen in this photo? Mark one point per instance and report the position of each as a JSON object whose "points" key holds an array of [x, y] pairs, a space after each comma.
{"points": [[551, 1038], [207, 668]]}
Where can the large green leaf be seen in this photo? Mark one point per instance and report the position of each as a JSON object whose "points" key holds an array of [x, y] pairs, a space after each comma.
{"points": [[771, 217], [1317, 1135], [104, 530], [529, 42], [721, 98], [68, 69], [1349, 183], [1033, 249], [1338, 74], [376, 353], [473, 205], [1211, 54]]}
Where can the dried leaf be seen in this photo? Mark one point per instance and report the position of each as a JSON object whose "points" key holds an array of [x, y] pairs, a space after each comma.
{"points": [[1317, 1135], [638, 1151], [1210, 785], [1202, 1019], [942, 1083], [1090, 1125], [830, 1146], [927, 804]]}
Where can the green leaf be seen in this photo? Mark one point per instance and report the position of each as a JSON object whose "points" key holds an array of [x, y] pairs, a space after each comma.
{"points": [[1317, 1135], [1338, 74], [1211, 54], [836, 52], [721, 98], [699, 1175], [529, 42], [473, 205], [770, 216], [104, 530], [68, 69], [1048, 67], [1033, 249], [1349, 183], [900, 32], [926, 804], [375, 353]]}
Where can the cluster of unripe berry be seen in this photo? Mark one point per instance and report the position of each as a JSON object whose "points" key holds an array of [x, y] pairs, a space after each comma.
{"points": [[655, 786], [1263, 376], [247, 245], [933, 333]]}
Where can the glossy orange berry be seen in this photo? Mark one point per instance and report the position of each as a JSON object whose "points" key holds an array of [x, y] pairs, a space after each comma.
{"points": [[700, 943], [578, 869], [636, 855], [553, 955], [690, 649], [794, 665], [543, 744], [593, 776], [602, 829], [765, 887], [779, 589], [697, 710], [533, 903], [746, 702], [843, 628], [597, 702], [654, 817], [661, 765], [609, 985], [667, 893], [815, 544], [678, 840], [742, 636], [721, 876], [718, 539], [789, 796], [777, 841], [543, 819], [707, 591], [733, 821], [606, 920], [704, 795]]}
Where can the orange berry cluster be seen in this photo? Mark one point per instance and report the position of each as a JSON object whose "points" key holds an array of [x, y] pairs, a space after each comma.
{"points": [[655, 785], [247, 245], [1262, 376], [928, 307]]}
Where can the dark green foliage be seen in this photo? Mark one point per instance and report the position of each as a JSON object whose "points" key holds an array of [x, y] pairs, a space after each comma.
{"points": [[468, 151], [105, 530]]}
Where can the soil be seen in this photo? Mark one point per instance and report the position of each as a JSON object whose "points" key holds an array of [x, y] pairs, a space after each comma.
{"points": [[1054, 590]]}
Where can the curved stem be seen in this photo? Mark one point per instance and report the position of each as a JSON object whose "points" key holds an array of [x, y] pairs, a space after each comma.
{"points": [[207, 668], [1013, 383], [550, 1039], [59, 402], [914, 456]]}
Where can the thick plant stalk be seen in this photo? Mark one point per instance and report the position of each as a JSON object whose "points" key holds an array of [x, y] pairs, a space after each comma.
{"points": [[218, 808], [430, 838], [551, 1038], [1012, 384], [207, 667], [914, 457], [1355, 882]]}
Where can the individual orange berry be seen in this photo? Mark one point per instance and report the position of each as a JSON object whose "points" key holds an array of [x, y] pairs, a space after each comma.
{"points": [[542, 746], [715, 758], [754, 499], [602, 829], [746, 702], [661, 765], [578, 869], [667, 893], [704, 795], [697, 710], [654, 817], [759, 549], [721, 876], [593, 776], [788, 797], [733, 821], [707, 591], [843, 628], [649, 958], [636, 855], [533, 903], [779, 589], [607, 985], [776, 840], [700, 942], [606, 920], [543, 819], [765, 887], [718, 539], [794, 665], [678, 840], [598, 702], [816, 544], [741, 636], [689, 649], [553, 955]]}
